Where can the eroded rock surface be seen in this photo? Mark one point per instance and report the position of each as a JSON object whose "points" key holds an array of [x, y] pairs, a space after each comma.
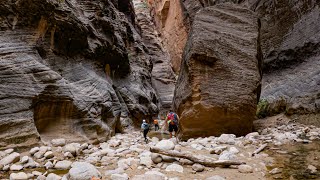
{"points": [[219, 81], [163, 77], [71, 69]]}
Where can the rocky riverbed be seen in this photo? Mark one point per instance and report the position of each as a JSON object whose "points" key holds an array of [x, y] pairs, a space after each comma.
{"points": [[292, 152]]}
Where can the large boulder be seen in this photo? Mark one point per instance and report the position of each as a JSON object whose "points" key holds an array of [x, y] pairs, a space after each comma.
{"points": [[83, 171], [219, 82]]}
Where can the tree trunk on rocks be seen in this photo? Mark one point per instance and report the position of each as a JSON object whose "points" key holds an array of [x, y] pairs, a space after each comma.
{"points": [[209, 162]]}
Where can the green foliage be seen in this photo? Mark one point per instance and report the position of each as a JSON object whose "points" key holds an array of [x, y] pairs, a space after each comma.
{"points": [[262, 108]]}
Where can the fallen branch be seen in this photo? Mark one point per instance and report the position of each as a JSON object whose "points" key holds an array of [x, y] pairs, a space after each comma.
{"points": [[206, 161], [261, 148]]}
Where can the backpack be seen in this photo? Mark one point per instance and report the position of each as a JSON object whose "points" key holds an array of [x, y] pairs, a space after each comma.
{"points": [[173, 118], [145, 126]]}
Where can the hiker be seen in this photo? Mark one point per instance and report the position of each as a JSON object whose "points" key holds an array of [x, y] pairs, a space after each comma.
{"points": [[145, 129], [156, 124], [173, 122]]}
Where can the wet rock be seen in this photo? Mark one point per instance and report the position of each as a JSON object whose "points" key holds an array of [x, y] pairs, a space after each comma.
{"points": [[156, 158], [165, 145], [216, 177], [12, 158], [58, 142], [18, 176], [119, 177], [168, 159], [275, 171], [53, 176], [245, 169], [83, 171], [16, 167], [175, 167], [63, 165]]}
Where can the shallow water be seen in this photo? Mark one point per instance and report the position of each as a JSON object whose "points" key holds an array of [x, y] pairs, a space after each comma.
{"points": [[294, 159], [160, 135]]}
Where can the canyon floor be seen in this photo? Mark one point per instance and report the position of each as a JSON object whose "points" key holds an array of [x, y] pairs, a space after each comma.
{"points": [[292, 152]]}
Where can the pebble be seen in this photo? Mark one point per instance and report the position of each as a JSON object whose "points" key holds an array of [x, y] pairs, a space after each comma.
{"points": [[15, 167]]}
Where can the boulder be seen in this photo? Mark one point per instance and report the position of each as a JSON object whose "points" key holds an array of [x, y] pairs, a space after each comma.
{"points": [[165, 145], [73, 148], [58, 142], [245, 168], [198, 167], [16, 167], [150, 175], [175, 168], [34, 150], [156, 158], [63, 165], [9, 151], [24, 159], [119, 176], [219, 81], [49, 155], [53, 176], [49, 165], [18, 176], [146, 161], [12, 158], [115, 171], [216, 177], [83, 171]]}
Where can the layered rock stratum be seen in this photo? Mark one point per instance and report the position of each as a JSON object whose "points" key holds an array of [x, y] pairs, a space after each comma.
{"points": [[219, 81], [75, 69]]}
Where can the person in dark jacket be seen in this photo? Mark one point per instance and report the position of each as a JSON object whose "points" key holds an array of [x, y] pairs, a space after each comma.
{"points": [[145, 129]]}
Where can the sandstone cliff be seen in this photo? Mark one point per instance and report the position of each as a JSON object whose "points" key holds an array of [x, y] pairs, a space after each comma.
{"points": [[163, 77], [71, 68], [219, 81]]}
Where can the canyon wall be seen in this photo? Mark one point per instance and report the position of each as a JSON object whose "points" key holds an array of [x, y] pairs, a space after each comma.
{"points": [[71, 69], [163, 77], [290, 37]]}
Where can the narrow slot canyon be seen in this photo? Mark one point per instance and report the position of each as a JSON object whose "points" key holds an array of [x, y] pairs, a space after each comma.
{"points": [[87, 86]]}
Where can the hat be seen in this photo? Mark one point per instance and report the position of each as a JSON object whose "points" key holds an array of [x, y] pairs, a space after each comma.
{"points": [[143, 120]]}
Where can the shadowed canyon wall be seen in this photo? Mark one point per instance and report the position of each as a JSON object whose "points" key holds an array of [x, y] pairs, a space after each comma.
{"points": [[74, 69], [289, 45]]}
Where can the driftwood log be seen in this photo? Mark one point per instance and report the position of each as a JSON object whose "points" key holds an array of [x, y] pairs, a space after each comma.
{"points": [[261, 148], [206, 161]]}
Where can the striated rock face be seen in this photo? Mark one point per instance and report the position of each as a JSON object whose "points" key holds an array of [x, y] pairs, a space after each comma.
{"points": [[75, 69], [169, 20], [219, 81], [290, 37], [163, 77]]}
